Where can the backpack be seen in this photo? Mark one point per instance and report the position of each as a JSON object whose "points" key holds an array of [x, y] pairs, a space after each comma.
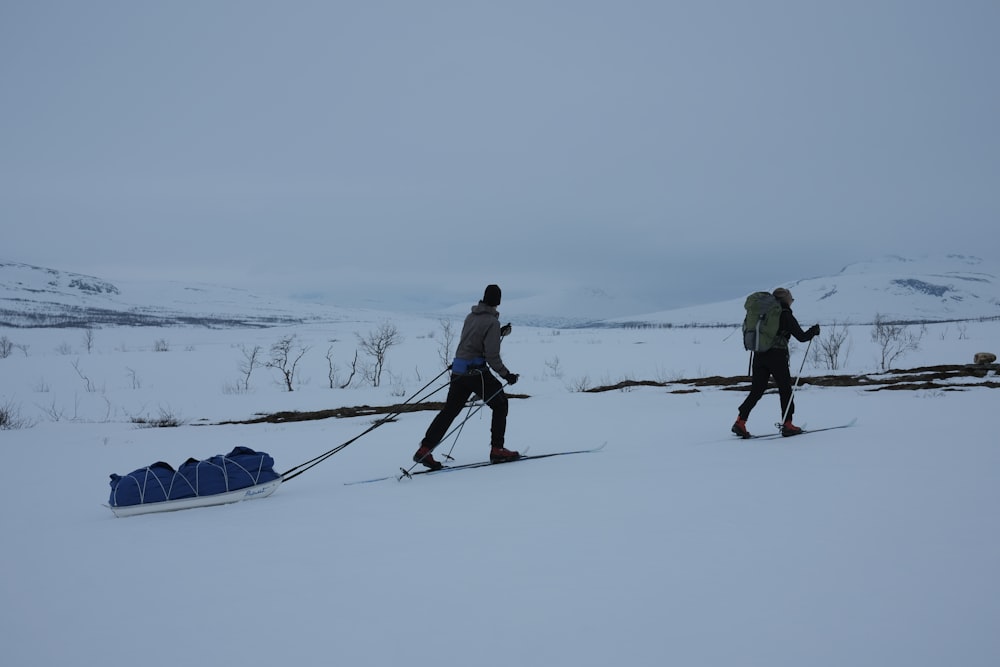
{"points": [[760, 326]]}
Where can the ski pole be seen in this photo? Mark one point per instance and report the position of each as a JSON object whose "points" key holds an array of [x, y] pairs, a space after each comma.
{"points": [[407, 471], [454, 442], [791, 398], [302, 467]]}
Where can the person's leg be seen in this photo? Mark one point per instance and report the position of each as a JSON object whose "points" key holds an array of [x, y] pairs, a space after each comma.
{"points": [[458, 394], [758, 385], [783, 378], [491, 391]]}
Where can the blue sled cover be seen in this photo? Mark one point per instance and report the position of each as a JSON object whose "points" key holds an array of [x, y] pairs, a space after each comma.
{"points": [[159, 482]]}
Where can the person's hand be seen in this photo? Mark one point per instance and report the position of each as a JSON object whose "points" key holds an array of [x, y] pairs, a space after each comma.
{"points": [[505, 330], [512, 378], [813, 331]]}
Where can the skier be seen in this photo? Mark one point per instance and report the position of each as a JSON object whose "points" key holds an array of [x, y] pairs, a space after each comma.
{"points": [[774, 362], [478, 351]]}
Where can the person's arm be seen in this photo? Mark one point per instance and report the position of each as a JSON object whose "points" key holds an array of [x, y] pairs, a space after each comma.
{"points": [[791, 325], [491, 347]]}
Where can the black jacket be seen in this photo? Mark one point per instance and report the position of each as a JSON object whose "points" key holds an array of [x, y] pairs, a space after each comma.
{"points": [[788, 326]]}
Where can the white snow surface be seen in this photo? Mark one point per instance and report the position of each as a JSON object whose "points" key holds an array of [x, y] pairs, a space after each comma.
{"points": [[679, 544]]}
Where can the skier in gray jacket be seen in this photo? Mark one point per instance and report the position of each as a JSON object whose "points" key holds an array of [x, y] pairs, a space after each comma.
{"points": [[478, 351]]}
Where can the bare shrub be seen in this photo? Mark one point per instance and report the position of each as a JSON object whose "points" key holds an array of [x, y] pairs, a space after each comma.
{"points": [[832, 350], [165, 419], [11, 417], [6, 347], [554, 367], [894, 340], [250, 361], [332, 370], [53, 411], [233, 389], [447, 339], [354, 371], [88, 384], [376, 344], [285, 359]]}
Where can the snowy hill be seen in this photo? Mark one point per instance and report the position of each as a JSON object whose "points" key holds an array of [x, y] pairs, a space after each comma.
{"points": [[927, 289], [32, 296], [560, 307], [955, 287]]}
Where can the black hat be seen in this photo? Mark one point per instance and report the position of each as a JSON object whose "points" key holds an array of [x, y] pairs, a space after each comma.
{"points": [[491, 297]]}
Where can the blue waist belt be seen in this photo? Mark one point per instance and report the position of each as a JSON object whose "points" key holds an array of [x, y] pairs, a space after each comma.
{"points": [[463, 366]]}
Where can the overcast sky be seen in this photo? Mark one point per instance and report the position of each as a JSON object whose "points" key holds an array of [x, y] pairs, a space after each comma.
{"points": [[677, 152]]}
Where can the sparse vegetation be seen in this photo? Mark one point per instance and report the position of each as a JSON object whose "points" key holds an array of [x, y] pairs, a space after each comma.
{"points": [[87, 382], [832, 349], [285, 359], [11, 417], [446, 342], [893, 341], [376, 344], [165, 419], [249, 362], [332, 370]]}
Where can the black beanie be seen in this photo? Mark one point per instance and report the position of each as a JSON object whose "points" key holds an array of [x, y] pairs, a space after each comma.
{"points": [[491, 297]]}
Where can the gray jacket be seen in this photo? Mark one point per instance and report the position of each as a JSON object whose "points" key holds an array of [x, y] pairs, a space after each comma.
{"points": [[481, 338]]}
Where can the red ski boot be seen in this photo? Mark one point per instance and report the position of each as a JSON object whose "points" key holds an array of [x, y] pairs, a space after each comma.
{"points": [[501, 455], [423, 456], [788, 428]]}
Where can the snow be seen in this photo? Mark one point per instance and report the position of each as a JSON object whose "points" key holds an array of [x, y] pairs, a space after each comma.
{"points": [[677, 544], [933, 288]]}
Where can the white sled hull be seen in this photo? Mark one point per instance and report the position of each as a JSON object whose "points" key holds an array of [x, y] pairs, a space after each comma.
{"points": [[247, 493]]}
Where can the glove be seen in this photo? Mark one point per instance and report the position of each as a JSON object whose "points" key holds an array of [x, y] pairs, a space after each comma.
{"points": [[813, 331], [512, 378], [505, 330]]}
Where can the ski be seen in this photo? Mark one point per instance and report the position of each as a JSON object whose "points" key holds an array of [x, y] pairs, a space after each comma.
{"points": [[405, 474], [773, 436]]}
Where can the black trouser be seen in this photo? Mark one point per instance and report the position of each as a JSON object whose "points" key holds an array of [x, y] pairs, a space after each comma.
{"points": [[483, 385], [774, 363]]}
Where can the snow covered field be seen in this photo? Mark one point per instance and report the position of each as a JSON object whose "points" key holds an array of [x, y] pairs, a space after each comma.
{"points": [[677, 545]]}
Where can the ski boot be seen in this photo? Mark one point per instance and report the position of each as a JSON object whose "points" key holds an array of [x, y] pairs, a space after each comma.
{"points": [[788, 428], [424, 457], [740, 428], [501, 455]]}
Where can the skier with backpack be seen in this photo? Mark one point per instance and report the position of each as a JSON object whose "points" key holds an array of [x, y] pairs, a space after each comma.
{"points": [[767, 328]]}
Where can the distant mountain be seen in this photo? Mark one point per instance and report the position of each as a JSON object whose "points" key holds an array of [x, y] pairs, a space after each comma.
{"points": [[954, 287], [899, 289], [560, 307], [32, 296]]}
